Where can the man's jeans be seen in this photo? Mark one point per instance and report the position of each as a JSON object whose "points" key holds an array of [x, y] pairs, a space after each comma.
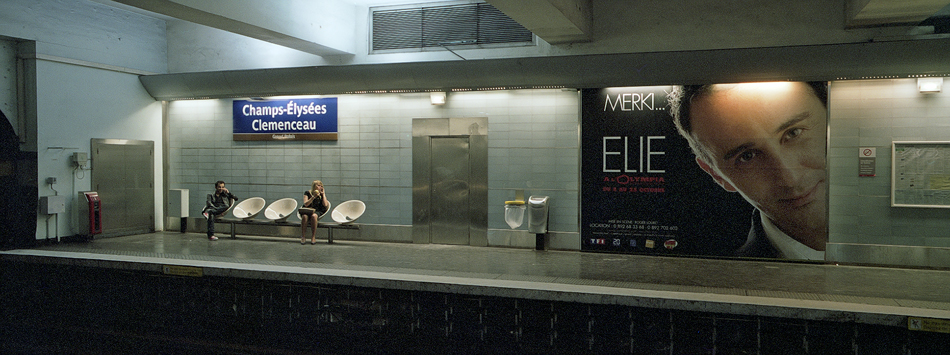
{"points": [[212, 213]]}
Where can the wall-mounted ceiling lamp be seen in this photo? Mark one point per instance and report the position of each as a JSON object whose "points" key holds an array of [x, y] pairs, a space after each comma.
{"points": [[928, 85], [437, 97]]}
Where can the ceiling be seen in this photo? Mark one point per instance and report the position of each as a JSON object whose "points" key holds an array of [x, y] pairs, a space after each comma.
{"points": [[562, 24], [554, 21]]}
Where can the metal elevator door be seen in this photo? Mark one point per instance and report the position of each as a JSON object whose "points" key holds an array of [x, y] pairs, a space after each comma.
{"points": [[124, 178], [451, 173]]}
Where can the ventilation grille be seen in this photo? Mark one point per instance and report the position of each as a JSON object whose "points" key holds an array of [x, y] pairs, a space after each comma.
{"points": [[469, 24]]}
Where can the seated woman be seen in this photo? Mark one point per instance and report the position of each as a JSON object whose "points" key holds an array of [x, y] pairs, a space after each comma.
{"points": [[315, 204]]}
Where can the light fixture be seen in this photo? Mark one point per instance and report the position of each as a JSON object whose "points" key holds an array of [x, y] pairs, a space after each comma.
{"points": [[926, 85], [437, 97]]}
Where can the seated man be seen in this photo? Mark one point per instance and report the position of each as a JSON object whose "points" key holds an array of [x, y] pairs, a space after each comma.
{"points": [[218, 203]]}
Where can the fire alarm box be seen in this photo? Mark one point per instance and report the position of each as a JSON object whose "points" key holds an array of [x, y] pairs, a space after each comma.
{"points": [[90, 213]]}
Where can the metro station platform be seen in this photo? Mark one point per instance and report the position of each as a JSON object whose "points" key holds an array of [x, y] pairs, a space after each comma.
{"points": [[462, 299]]}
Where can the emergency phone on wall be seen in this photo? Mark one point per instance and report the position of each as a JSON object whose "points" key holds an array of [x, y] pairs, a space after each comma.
{"points": [[90, 214]]}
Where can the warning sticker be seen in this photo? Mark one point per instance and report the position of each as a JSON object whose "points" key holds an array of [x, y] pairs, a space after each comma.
{"points": [[182, 270], [928, 324]]}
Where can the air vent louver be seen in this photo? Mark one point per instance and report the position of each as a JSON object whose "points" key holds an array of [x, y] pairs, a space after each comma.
{"points": [[469, 24]]}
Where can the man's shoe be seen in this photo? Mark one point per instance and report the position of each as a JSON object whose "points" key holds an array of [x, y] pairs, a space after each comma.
{"points": [[205, 214], [212, 238]]}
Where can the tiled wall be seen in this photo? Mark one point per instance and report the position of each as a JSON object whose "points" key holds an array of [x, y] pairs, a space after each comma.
{"points": [[533, 146], [532, 143], [873, 113]]}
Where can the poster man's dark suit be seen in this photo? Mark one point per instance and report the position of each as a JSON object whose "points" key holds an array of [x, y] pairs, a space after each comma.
{"points": [[757, 245]]}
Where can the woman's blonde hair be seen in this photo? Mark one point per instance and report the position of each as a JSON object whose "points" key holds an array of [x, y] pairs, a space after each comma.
{"points": [[313, 186]]}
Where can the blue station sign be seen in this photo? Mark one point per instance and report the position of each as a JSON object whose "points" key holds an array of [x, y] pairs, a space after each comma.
{"points": [[289, 119]]}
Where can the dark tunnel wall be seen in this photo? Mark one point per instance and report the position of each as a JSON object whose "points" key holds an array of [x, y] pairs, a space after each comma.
{"points": [[18, 192]]}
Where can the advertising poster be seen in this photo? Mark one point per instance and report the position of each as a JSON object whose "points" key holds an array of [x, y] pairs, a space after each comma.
{"points": [[644, 191]]}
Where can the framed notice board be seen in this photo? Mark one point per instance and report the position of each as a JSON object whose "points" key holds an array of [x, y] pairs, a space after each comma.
{"points": [[920, 174]]}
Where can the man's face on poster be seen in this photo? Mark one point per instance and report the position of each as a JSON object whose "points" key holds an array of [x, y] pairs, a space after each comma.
{"points": [[767, 141]]}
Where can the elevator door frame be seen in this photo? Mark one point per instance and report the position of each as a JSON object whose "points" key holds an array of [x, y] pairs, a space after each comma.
{"points": [[423, 131]]}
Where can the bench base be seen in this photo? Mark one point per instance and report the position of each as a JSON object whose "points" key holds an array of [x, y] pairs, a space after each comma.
{"points": [[330, 226]]}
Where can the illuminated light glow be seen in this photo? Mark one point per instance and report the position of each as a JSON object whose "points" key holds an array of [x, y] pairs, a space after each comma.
{"points": [[437, 98], [929, 85], [775, 86]]}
